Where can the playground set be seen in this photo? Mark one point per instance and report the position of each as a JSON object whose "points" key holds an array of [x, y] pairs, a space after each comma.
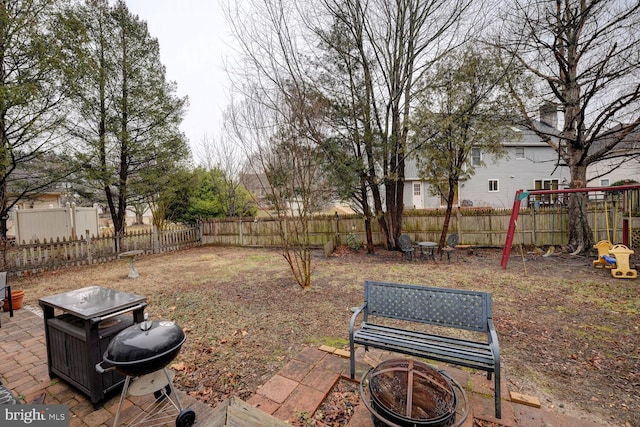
{"points": [[624, 199], [615, 258]]}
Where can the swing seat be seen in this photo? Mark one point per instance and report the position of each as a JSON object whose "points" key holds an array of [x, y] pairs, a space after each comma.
{"points": [[623, 270], [603, 247]]}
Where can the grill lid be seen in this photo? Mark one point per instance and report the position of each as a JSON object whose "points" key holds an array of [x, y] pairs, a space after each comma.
{"points": [[144, 341]]}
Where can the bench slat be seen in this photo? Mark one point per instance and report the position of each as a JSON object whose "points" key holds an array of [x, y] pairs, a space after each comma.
{"points": [[428, 339], [425, 348], [433, 356], [408, 332]]}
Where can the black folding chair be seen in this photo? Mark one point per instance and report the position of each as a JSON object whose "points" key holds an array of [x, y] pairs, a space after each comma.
{"points": [[452, 241]]}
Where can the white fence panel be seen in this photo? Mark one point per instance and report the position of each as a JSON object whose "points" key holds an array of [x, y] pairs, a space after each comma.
{"points": [[55, 223], [86, 221], [40, 224]]}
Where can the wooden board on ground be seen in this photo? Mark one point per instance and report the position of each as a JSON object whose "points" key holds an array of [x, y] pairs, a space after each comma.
{"points": [[234, 412], [523, 399]]}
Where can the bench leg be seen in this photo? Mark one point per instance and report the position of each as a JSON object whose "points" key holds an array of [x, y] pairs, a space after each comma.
{"points": [[498, 396], [352, 359]]}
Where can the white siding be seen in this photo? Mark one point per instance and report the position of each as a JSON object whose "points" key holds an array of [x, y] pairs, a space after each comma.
{"points": [[513, 174]]}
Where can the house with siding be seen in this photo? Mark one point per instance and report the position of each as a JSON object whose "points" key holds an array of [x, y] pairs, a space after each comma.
{"points": [[529, 164]]}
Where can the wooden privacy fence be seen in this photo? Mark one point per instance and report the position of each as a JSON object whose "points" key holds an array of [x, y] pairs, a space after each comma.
{"points": [[479, 227], [38, 256], [474, 226]]}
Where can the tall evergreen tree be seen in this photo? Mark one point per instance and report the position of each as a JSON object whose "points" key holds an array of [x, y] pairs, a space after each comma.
{"points": [[128, 113], [32, 99]]}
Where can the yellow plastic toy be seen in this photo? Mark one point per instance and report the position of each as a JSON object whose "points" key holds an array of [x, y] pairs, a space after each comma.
{"points": [[623, 271], [603, 247]]}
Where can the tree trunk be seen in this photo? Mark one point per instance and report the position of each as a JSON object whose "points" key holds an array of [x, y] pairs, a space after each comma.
{"points": [[380, 213], [369, 233], [447, 217], [366, 210], [580, 234], [4, 211]]}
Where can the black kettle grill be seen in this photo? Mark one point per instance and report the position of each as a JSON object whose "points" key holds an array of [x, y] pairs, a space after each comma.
{"points": [[142, 351]]}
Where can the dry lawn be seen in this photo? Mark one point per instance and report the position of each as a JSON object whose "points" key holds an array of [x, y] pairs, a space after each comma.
{"points": [[568, 333]]}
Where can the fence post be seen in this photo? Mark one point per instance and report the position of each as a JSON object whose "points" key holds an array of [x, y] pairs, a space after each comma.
{"points": [[155, 239], [88, 240]]}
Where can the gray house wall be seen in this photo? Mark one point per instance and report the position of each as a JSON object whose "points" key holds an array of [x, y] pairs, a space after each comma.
{"points": [[512, 174]]}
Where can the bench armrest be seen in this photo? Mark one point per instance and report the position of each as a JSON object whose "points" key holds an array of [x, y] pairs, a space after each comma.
{"points": [[354, 316]]}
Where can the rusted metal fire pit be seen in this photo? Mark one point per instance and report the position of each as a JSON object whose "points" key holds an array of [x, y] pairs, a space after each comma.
{"points": [[410, 393]]}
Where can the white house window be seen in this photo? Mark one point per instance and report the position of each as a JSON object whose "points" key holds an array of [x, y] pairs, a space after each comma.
{"points": [[519, 152], [475, 156], [493, 185], [417, 188], [604, 182]]}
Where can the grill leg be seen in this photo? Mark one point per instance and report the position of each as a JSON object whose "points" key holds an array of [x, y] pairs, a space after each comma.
{"points": [[125, 389], [173, 390]]}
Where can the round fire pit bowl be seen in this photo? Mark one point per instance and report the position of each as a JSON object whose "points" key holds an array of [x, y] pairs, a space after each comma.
{"points": [[410, 393]]}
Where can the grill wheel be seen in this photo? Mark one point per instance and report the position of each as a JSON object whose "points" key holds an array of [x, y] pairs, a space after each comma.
{"points": [[186, 418]]}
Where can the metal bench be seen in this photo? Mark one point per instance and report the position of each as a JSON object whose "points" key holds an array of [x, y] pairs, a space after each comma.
{"points": [[448, 308]]}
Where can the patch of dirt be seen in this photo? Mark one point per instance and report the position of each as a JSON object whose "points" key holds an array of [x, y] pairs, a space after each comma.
{"points": [[338, 407], [483, 423], [568, 332]]}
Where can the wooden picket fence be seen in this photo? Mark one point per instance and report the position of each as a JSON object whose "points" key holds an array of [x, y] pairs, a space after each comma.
{"points": [[483, 227], [36, 256]]}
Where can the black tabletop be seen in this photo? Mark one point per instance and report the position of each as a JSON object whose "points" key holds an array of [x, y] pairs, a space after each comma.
{"points": [[92, 301]]}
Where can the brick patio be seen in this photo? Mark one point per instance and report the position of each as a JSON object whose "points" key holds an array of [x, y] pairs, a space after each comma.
{"points": [[300, 387]]}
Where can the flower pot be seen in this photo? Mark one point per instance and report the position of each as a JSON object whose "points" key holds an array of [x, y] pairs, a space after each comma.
{"points": [[16, 299]]}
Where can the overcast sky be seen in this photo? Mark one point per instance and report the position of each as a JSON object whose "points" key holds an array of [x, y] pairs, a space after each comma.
{"points": [[194, 42]]}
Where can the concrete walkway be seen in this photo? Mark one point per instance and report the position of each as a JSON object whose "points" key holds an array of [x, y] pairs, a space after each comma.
{"points": [[299, 388]]}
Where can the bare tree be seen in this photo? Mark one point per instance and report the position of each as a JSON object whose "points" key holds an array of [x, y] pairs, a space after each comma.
{"points": [[288, 166], [391, 44], [227, 160], [585, 56], [385, 48], [280, 120]]}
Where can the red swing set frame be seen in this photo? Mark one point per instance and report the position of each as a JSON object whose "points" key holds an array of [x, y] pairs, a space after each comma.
{"points": [[522, 194]]}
